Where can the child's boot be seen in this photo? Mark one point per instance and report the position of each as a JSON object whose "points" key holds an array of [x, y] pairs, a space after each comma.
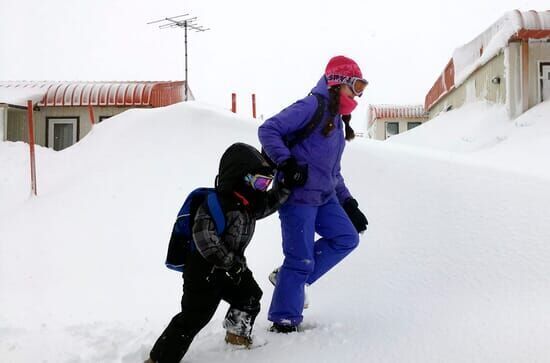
{"points": [[235, 339]]}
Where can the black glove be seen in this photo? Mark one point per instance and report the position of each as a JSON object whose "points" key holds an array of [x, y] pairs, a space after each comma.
{"points": [[235, 271], [294, 175], [357, 217]]}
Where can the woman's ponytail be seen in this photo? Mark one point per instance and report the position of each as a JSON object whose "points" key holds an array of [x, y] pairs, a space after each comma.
{"points": [[350, 134], [333, 107]]}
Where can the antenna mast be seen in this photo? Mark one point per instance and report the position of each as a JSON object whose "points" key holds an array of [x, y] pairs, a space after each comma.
{"points": [[185, 22]]}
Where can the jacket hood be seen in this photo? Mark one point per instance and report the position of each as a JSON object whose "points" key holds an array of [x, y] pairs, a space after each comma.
{"points": [[237, 161], [321, 88]]}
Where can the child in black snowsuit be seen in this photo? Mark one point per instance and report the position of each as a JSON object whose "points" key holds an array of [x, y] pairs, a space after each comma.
{"points": [[216, 268]]}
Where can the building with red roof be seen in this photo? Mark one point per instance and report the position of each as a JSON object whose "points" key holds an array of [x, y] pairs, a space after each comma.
{"points": [[65, 111], [385, 121], [509, 64]]}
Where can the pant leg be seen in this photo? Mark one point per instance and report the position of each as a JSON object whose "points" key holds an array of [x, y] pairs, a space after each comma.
{"points": [[298, 231], [244, 304], [200, 300], [339, 238]]}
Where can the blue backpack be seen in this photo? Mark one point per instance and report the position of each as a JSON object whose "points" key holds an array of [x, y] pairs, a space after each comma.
{"points": [[181, 240]]}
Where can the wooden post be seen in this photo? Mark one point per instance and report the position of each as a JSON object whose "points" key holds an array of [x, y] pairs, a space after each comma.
{"points": [[234, 102], [31, 147], [254, 105], [91, 112]]}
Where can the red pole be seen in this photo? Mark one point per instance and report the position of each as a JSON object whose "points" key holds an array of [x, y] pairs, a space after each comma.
{"points": [[31, 147], [234, 102], [254, 105], [91, 111]]}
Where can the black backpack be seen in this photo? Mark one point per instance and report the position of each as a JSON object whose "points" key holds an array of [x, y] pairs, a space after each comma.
{"points": [[302, 134]]}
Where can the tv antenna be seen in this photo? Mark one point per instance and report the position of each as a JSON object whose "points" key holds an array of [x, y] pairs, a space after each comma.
{"points": [[186, 22]]}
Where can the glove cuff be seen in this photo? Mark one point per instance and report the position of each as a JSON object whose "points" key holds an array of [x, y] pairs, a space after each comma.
{"points": [[350, 203], [290, 161]]}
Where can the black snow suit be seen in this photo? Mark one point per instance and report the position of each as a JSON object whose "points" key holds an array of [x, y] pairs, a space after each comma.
{"points": [[205, 278]]}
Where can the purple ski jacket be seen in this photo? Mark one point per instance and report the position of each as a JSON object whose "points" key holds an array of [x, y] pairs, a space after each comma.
{"points": [[321, 153]]}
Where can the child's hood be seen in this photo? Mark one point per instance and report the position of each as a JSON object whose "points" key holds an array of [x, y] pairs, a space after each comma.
{"points": [[237, 161]]}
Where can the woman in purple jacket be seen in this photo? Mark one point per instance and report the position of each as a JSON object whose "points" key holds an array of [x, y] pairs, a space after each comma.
{"points": [[320, 201]]}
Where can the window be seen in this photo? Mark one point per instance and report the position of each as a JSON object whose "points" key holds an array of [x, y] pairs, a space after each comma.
{"points": [[61, 132], [392, 128], [412, 125]]}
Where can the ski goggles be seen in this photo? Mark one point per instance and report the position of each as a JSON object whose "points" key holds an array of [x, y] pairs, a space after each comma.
{"points": [[356, 84], [258, 181]]}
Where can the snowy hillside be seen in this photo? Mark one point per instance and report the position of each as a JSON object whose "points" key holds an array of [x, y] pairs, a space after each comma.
{"points": [[455, 265]]}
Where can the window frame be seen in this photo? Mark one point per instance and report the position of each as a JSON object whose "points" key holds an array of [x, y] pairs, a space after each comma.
{"points": [[52, 120], [418, 123], [386, 129], [542, 64]]}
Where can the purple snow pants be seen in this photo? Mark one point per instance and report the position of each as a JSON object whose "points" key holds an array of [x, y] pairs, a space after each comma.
{"points": [[307, 260]]}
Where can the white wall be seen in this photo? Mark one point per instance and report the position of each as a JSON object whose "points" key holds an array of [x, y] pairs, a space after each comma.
{"points": [[538, 52], [512, 55], [378, 132], [81, 113]]}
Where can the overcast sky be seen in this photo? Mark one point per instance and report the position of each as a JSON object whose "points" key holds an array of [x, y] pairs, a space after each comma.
{"points": [[276, 49]]}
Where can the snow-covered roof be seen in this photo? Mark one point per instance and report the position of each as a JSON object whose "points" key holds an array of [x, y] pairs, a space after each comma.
{"points": [[396, 111], [513, 25], [141, 93], [20, 96]]}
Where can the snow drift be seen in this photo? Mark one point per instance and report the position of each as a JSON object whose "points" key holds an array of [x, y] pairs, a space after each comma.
{"points": [[481, 133]]}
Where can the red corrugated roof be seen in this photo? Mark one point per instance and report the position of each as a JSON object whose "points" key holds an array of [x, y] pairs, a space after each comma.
{"points": [[443, 85], [396, 112], [526, 34], [146, 93]]}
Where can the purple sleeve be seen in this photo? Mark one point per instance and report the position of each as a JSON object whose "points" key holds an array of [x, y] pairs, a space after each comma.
{"points": [[342, 192], [293, 118]]}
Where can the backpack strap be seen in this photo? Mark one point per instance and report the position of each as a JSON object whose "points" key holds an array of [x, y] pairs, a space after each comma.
{"points": [[216, 212], [186, 214], [304, 133]]}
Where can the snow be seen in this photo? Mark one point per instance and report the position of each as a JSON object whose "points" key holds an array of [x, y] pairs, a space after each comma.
{"points": [[467, 58], [481, 133], [454, 267], [20, 96]]}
